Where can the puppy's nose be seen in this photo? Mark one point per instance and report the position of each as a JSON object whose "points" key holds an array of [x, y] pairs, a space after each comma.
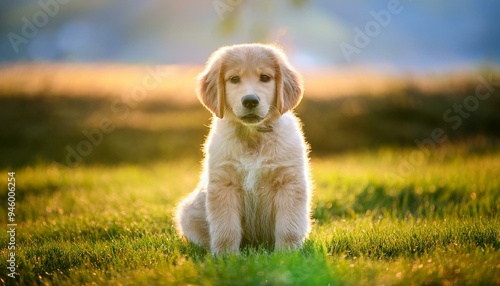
{"points": [[250, 101]]}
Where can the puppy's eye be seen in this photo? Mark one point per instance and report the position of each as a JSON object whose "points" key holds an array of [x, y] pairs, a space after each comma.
{"points": [[234, 79], [265, 78]]}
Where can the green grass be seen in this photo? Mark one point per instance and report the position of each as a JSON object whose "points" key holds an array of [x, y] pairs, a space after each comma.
{"points": [[112, 225], [381, 217]]}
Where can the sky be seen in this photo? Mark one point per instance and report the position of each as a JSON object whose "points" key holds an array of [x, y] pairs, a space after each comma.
{"points": [[396, 35]]}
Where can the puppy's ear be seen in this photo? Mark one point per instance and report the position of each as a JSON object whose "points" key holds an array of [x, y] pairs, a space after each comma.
{"points": [[288, 86], [211, 90]]}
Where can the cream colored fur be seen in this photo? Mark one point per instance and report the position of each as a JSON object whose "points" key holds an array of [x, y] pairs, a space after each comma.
{"points": [[255, 187]]}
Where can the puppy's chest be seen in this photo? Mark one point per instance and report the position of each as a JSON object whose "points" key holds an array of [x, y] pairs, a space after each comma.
{"points": [[254, 172]]}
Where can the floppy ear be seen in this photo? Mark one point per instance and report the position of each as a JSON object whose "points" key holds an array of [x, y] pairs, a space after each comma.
{"points": [[288, 86], [211, 90]]}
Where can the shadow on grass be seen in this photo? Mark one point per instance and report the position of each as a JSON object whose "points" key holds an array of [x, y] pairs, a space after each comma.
{"points": [[47, 128], [367, 122], [409, 201]]}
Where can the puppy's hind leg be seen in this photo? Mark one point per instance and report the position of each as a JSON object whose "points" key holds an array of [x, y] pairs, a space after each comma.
{"points": [[191, 218]]}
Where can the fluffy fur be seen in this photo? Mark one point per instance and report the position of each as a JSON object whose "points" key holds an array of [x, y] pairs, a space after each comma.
{"points": [[255, 187]]}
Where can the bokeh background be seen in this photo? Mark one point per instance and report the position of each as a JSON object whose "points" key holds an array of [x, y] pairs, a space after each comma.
{"points": [[107, 82], [423, 36], [100, 122]]}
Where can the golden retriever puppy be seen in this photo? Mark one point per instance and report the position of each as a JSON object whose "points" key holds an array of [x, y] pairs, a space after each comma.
{"points": [[255, 187]]}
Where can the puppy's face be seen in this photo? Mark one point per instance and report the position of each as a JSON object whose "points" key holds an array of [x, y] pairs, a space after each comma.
{"points": [[249, 84], [250, 88]]}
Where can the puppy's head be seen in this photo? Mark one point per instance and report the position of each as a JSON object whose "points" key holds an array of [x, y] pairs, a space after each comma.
{"points": [[249, 83]]}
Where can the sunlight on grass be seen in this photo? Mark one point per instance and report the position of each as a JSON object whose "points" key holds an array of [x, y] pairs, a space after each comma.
{"points": [[113, 225], [368, 184], [172, 82], [379, 219]]}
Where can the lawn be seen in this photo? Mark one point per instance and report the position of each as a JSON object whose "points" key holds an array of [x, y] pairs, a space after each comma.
{"points": [[113, 225], [385, 211]]}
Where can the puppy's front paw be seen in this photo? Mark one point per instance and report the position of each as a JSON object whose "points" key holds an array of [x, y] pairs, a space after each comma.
{"points": [[225, 243], [288, 241]]}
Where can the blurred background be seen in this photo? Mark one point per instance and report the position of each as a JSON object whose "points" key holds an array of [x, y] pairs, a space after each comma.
{"points": [[108, 82]]}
